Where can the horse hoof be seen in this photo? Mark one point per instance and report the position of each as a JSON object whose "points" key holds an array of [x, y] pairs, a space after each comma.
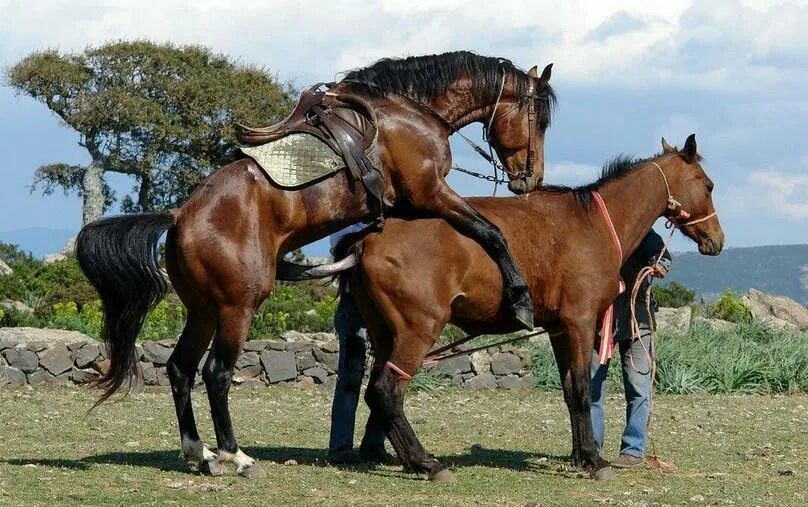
{"points": [[213, 468], [253, 471], [603, 474], [444, 475]]}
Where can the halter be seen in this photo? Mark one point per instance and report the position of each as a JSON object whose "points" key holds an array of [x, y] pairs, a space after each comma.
{"points": [[675, 207]]}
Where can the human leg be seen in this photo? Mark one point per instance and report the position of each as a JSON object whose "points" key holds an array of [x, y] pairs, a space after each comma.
{"points": [[635, 355]]}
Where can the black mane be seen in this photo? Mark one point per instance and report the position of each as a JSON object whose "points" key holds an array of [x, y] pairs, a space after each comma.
{"points": [[613, 169], [423, 78]]}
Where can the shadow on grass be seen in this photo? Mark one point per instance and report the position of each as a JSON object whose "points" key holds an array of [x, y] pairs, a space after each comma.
{"points": [[169, 461]]}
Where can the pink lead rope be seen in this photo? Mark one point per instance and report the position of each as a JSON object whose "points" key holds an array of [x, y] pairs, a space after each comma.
{"points": [[606, 350]]}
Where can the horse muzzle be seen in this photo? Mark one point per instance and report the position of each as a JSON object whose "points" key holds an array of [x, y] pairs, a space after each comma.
{"points": [[521, 185], [711, 247]]}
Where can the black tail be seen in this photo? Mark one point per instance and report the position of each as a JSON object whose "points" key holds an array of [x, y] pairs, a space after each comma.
{"points": [[120, 258]]}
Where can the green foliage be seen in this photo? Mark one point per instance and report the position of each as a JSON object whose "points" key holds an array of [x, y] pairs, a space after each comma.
{"points": [[305, 307], [158, 112], [729, 307], [428, 380], [673, 295], [164, 322]]}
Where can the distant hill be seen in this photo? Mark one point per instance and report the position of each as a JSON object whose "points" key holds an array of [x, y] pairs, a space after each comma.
{"points": [[40, 241], [779, 269]]}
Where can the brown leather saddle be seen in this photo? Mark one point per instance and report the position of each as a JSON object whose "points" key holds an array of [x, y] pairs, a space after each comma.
{"points": [[348, 126]]}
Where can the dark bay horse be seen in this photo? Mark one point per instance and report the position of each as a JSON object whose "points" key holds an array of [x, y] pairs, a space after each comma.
{"points": [[416, 276], [224, 244]]}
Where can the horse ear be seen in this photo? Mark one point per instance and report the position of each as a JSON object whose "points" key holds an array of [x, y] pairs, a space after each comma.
{"points": [[667, 148], [690, 151], [533, 72], [546, 73]]}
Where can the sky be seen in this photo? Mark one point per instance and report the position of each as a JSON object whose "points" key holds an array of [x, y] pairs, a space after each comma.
{"points": [[735, 72]]}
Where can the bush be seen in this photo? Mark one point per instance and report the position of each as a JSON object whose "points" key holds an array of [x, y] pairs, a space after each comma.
{"points": [[673, 295], [729, 307]]}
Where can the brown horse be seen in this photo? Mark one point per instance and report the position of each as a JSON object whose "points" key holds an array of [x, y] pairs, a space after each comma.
{"points": [[414, 277], [224, 244]]}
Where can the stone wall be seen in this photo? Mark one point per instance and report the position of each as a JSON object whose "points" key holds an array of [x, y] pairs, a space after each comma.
{"points": [[37, 356]]}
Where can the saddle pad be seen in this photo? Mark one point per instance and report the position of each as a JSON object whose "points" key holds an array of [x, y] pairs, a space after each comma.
{"points": [[295, 160]]}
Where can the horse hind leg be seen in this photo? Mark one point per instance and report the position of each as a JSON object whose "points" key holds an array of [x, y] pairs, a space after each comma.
{"points": [[181, 369], [234, 323]]}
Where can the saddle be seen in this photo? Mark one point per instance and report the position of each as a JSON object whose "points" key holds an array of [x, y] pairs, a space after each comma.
{"points": [[348, 126]]}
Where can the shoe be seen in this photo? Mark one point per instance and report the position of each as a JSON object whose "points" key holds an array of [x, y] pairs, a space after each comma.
{"points": [[344, 457], [377, 455], [627, 461]]}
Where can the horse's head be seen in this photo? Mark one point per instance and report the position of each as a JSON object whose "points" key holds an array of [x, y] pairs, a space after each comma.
{"points": [[692, 206], [517, 131]]}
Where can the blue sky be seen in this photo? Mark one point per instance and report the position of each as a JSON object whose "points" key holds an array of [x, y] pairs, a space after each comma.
{"points": [[627, 73]]}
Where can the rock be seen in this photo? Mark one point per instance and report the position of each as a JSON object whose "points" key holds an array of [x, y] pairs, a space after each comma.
{"points": [[279, 366], [454, 366], [715, 324], [5, 269], [483, 380], [6, 343], [22, 359], [26, 335], [328, 359], [779, 324], [149, 373], [330, 346], [162, 377], [37, 346], [480, 362], [101, 366], [56, 359], [11, 376], [504, 363], [455, 381], [247, 359], [256, 345], [156, 353], [40, 377], [318, 374], [516, 382], [540, 339], [674, 320], [83, 376], [299, 346], [764, 306], [248, 372], [16, 305], [305, 360], [322, 338], [294, 336], [87, 355], [74, 347]]}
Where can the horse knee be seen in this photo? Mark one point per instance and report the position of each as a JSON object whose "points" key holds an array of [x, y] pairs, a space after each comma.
{"points": [[216, 375], [382, 394]]}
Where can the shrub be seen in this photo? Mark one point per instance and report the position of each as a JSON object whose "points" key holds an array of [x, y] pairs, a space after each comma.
{"points": [[673, 295], [729, 307]]}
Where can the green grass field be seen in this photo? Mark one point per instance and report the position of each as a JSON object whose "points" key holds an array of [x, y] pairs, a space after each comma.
{"points": [[506, 448]]}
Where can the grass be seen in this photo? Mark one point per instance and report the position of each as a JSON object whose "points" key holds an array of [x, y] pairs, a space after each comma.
{"points": [[506, 448]]}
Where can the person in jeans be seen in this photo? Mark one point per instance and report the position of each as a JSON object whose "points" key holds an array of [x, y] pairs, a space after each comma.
{"points": [[634, 355], [352, 336]]}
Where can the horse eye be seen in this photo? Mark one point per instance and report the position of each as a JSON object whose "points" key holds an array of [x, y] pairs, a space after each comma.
{"points": [[710, 187]]}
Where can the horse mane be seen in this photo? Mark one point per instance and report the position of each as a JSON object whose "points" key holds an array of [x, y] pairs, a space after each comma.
{"points": [[615, 168], [424, 78]]}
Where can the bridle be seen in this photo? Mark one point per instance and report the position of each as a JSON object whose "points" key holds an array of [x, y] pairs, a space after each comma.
{"points": [[674, 212]]}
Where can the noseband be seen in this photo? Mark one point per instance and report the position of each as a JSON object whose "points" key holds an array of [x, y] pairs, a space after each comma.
{"points": [[674, 211]]}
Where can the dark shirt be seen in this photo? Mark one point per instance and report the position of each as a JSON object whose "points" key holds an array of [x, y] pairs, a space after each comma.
{"points": [[645, 255]]}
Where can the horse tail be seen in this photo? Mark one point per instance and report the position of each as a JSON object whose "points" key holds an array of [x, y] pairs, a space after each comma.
{"points": [[119, 255]]}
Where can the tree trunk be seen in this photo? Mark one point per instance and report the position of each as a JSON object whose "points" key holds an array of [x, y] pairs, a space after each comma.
{"points": [[143, 194], [93, 192]]}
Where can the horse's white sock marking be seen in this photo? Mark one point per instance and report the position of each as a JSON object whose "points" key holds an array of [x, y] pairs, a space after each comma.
{"points": [[240, 459], [195, 449]]}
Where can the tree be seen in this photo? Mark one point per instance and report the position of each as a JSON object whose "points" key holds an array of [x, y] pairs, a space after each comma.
{"points": [[158, 112], [673, 295]]}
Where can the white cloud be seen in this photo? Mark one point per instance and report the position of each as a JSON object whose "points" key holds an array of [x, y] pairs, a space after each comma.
{"points": [[785, 193], [570, 173]]}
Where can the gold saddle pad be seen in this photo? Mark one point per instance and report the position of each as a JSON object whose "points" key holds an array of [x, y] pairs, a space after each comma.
{"points": [[295, 160]]}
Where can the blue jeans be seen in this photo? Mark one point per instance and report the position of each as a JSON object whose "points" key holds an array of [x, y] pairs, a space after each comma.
{"points": [[637, 383], [351, 333]]}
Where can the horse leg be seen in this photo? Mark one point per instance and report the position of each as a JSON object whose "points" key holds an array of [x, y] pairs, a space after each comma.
{"points": [[445, 203], [181, 370], [234, 323], [572, 347]]}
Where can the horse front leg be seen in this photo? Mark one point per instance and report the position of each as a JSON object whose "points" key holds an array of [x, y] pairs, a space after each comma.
{"points": [[572, 347], [445, 203]]}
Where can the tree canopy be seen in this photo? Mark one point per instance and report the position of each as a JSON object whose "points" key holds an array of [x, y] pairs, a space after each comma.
{"points": [[158, 112]]}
